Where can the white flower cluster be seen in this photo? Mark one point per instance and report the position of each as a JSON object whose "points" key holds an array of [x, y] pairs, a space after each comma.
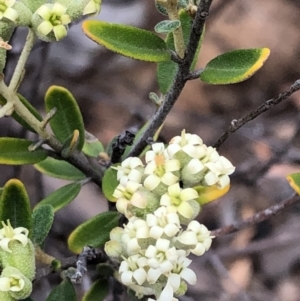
{"points": [[161, 204]]}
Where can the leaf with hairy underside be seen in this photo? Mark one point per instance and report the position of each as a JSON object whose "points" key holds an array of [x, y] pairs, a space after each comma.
{"points": [[167, 26], [15, 205], [94, 232], [61, 197], [63, 292], [98, 291], [14, 151], [59, 169], [234, 66], [127, 40], [67, 118]]}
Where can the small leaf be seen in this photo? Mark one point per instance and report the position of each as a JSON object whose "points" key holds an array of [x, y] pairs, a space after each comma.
{"points": [[14, 151], [294, 181], [234, 66], [68, 117], [59, 169], [209, 194], [110, 183], [92, 146], [161, 9], [61, 197], [167, 26], [98, 291], [63, 292], [15, 205], [166, 71], [127, 40], [94, 232], [43, 217], [17, 117]]}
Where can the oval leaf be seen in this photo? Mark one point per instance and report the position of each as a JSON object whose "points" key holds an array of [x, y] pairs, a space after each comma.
{"points": [[127, 40], [110, 183], [167, 26], [15, 205], [68, 117], [61, 197], [92, 146], [14, 151], [166, 71], [94, 232], [294, 181], [63, 292], [98, 291], [209, 194], [59, 169], [42, 217], [234, 66]]}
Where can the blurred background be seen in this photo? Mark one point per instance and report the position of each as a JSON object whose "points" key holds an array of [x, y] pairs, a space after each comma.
{"points": [[258, 263]]}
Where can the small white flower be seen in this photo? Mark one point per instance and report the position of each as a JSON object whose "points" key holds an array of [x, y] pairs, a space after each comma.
{"points": [[8, 233], [55, 19], [93, 7], [163, 223], [158, 149], [176, 200], [6, 10], [13, 283], [204, 239]]}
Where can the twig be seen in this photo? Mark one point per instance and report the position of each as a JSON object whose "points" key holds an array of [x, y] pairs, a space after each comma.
{"points": [[237, 123], [194, 74], [258, 217], [119, 146], [180, 79]]}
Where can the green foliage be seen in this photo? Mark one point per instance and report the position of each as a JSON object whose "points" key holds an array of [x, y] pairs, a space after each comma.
{"points": [[63, 292], [92, 146], [14, 151], [98, 291], [59, 169], [61, 197], [166, 71], [94, 232], [167, 26], [42, 218], [209, 194], [110, 183], [127, 40], [68, 117], [18, 118], [234, 66], [294, 181], [15, 205]]}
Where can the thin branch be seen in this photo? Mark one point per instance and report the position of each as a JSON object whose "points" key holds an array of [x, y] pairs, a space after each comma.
{"points": [[258, 217], [180, 79], [237, 123]]}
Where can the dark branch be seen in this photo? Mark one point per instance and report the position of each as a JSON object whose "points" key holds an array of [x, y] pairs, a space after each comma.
{"points": [[194, 74], [180, 79], [236, 124], [258, 217]]}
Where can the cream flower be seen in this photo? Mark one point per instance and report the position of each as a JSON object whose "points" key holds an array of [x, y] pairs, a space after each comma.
{"points": [[8, 233], [131, 169], [158, 149], [6, 10], [176, 200], [13, 283], [55, 19], [93, 7]]}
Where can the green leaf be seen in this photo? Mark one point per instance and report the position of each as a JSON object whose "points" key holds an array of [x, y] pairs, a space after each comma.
{"points": [[110, 183], [161, 9], [166, 71], [42, 217], [294, 181], [59, 169], [14, 151], [167, 26], [15, 205], [94, 232], [63, 292], [127, 40], [98, 291], [209, 194], [68, 117], [234, 66], [92, 146], [61, 197], [17, 117]]}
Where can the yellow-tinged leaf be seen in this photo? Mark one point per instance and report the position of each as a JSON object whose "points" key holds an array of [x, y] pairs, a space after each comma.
{"points": [[294, 181], [127, 40], [209, 194]]}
